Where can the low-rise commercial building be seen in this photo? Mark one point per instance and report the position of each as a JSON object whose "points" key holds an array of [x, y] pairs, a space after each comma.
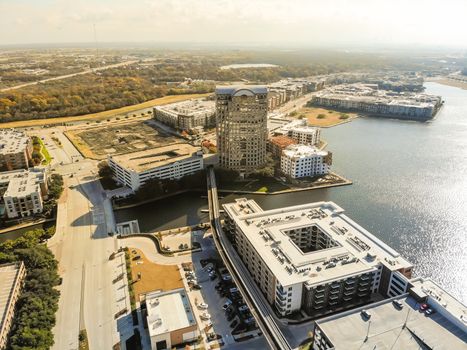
{"points": [[187, 115], [15, 150], [398, 323], [23, 192], [302, 161], [168, 162], [170, 319], [11, 281], [312, 257]]}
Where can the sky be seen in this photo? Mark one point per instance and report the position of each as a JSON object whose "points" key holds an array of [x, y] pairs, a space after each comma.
{"points": [[282, 22]]}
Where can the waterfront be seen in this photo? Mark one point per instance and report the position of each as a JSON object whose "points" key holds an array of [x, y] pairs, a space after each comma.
{"points": [[410, 188]]}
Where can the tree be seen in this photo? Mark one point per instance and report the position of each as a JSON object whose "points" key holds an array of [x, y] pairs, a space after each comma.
{"points": [[321, 116], [104, 169]]}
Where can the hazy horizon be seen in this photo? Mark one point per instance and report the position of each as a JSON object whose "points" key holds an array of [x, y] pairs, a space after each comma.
{"points": [[298, 23]]}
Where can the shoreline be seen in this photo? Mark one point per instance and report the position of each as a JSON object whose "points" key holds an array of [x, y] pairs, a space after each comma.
{"points": [[449, 82], [345, 182]]}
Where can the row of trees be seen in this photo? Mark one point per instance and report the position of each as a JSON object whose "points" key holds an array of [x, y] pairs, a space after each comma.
{"points": [[38, 302]]}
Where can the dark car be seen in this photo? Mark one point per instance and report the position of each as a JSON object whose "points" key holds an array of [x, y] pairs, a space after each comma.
{"points": [[231, 316], [234, 324]]}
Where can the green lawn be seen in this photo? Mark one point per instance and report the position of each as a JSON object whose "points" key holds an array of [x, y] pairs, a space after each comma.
{"points": [[45, 153]]}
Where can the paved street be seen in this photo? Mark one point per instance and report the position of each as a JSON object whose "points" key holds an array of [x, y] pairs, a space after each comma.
{"points": [[82, 247]]}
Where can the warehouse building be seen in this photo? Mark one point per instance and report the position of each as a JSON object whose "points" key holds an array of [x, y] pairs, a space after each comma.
{"points": [[312, 257]]}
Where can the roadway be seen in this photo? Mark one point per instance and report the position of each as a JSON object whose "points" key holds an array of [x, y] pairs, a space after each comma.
{"points": [[60, 77], [82, 247], [252, 295]]}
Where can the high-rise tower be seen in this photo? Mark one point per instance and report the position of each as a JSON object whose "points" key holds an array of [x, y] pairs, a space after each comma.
{"points": [[241, 116]]}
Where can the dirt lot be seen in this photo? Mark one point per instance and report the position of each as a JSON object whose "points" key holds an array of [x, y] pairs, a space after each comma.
{"points": [[327, 118], [124, 137], [153, 276], [102, 115]]}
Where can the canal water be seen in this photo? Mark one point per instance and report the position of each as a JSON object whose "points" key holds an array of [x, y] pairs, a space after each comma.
{"points": [[409, 188]]}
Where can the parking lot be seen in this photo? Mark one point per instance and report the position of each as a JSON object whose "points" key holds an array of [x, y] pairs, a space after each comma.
{"points": [[218, 304]]}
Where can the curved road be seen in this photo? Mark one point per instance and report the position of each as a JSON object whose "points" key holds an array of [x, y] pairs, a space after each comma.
{"points": [[148, 247]]}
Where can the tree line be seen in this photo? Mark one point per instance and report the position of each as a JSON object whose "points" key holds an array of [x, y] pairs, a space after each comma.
{"points": [[38, 301]]}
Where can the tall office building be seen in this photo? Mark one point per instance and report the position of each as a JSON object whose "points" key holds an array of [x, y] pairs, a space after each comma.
{"points": [[241, 115]]}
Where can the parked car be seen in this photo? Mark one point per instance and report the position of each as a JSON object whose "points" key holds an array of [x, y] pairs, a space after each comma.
{"points": [[196, 286], [227, 304], [429, 312], [218, 286], [243, 308], [231, 316], [202, 306], [234, 324], [250, 320]]}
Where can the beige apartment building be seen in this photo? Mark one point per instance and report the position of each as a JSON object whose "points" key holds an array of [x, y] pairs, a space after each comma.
{"points": [[11, 280], [15, 150], [23, 191], [241, 115]]}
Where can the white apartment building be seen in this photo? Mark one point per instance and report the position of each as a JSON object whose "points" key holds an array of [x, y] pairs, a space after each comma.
{"points": [[23, 191], [311, 257], [170, 319], [187, 115], [15, 149], [300, 131], [168, 162], [302, 161]]}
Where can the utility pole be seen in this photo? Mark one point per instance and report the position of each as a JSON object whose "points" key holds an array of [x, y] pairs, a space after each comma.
{"points": [[367, 331]]}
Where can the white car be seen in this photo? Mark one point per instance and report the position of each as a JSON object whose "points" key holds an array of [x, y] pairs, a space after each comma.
{"points": [[203, 306], [205, 316]]}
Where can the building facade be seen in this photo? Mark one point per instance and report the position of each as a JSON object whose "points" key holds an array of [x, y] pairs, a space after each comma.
{"points": [[169, 162], [367, 98], [12, 278], [300, 131], [170, 319], [15, 150], [187, 115], [23, 192], [276, 144], [311, 257], [241, 115], [302, 161]]}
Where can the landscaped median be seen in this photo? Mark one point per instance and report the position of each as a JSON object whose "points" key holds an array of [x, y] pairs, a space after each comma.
{"points": [[40, 155]]}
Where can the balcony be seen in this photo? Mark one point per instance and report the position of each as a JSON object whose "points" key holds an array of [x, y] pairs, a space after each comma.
{"points": [[335, 291], [318, 296]]}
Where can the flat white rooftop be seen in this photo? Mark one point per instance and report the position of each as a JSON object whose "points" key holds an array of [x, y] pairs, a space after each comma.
{"points": [[12, 141], [155, 157], [9, 274], [356, 250], [303, 151], [385, 328], [22, 182], [168, 311]]}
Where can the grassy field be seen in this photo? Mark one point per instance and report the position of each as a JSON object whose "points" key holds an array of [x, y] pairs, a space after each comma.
{"points": [[101, 115], [153, 276], [324, 117], [47, 158]]}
